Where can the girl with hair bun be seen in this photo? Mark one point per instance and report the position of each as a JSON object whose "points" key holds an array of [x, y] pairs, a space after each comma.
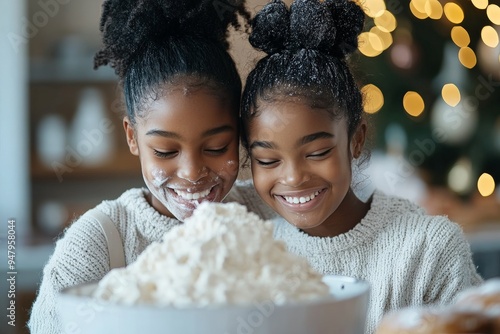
{"points": [[182, 94], [303, 128]]}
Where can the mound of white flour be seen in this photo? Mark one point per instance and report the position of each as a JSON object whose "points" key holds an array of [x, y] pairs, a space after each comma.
{"points": [[222, 254]]}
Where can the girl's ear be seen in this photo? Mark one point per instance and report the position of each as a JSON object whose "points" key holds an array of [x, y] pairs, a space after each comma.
{"points": [[130, 133], [358, 140]]}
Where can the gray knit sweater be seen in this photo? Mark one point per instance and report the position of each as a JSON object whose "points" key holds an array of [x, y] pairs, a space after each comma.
{"points": [[81, 255], [409, 258]]}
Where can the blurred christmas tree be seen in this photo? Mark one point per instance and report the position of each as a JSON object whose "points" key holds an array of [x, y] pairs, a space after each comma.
{"points": [[432, 70]]}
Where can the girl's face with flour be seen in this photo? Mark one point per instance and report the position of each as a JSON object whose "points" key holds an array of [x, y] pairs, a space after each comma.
{"points": [[187, 142]]}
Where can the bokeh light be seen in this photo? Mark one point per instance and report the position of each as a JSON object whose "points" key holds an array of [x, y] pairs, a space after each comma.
{"points": [[434, 9], [373, 8], [460, 176], [455, 125], [451, 94], [419, 5], [486, 185], [373, 98], [402, 56], [417, 13], [460, 36], [489, 36], [454, 12], [386, 22], [493, 12], [384, 37], [370, 44], [480, 4], [413, 103], [467, 57], [488, 58]]}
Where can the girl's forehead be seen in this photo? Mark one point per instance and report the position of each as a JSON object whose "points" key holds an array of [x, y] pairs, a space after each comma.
{"points": [[183, 99], [294, 119], [286, 112], [188, 88], [193, 113]]}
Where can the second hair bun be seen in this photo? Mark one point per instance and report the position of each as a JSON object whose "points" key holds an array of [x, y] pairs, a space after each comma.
{"points": [[330, 26]]}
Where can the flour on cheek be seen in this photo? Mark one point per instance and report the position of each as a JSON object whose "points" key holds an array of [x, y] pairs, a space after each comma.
{"points": [[181, 196], [158, 186]]}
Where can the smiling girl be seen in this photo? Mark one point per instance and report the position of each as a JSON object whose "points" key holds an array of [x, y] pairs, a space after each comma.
{"points": [[182, 94], [185, 160], [304, 131]]}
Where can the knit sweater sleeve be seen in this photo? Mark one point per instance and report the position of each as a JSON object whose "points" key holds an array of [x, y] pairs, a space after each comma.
{"points": [[451, 268], [81, 255], [243, 192]]}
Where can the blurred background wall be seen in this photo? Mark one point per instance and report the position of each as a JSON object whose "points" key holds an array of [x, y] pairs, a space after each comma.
{"points": [[430, 71]]}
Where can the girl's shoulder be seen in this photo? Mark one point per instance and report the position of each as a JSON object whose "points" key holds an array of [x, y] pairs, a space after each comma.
{"points": [[133, 206], [134, 216], [404, 214], [393, 205], [131, 199], [119, 211]]}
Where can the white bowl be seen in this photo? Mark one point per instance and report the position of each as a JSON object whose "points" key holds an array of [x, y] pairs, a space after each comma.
{"points": [[344, 312]]}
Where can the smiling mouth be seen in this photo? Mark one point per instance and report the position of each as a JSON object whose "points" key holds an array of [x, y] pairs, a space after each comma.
{"points": [[301, 199], [193, 196]]}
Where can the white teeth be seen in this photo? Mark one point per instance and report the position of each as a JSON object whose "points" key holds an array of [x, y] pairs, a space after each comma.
{"points": [[301, 200], [192, 196]]}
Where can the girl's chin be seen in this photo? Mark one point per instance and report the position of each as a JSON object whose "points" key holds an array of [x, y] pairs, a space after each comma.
{"points": [[300, 220], [304, 226]]}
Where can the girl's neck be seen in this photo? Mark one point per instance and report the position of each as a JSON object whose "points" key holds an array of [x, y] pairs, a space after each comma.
{"points": [[345, 218]]}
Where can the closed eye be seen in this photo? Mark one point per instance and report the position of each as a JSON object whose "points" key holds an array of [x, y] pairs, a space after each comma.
{"points": [[160, 154], [320, 154], [217, 151], [266, 163]]}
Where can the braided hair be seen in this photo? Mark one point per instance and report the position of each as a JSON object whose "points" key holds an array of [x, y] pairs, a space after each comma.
{"points": [[152, 42], [307, 47]]}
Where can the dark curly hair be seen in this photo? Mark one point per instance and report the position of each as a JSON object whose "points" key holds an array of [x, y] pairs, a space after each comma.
{"points": [[153, 42], [307, 48]]}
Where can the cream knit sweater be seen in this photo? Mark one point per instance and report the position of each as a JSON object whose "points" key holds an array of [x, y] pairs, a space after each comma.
{"points": [[81, 255], [409, 258]]}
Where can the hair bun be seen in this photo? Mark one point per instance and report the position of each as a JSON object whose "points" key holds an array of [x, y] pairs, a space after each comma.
{"points": [[127, 25], [349, 19], [207, 18], [330, 26], [271, 28], [311, 26]]}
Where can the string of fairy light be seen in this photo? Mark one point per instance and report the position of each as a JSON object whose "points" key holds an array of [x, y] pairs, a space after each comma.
{"points": [[385, 30]]}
